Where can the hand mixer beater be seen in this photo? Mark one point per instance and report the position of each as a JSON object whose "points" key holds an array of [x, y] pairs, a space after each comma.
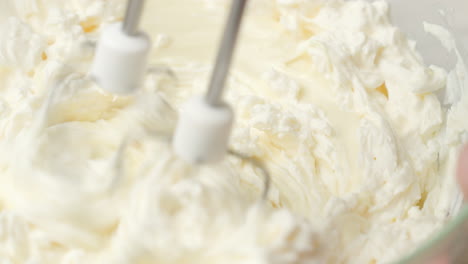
{"points": [[70, 146], [202, 133]]}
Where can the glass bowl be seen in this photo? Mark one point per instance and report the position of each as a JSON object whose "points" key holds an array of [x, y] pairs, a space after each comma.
{"points": [[450, 245]]}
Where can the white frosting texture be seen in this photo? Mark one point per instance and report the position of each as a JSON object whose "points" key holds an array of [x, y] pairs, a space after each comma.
{"points": [[333, 98]]}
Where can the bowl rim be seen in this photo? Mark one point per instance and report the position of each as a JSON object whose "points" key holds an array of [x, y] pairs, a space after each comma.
{"points": [[443, 242]]}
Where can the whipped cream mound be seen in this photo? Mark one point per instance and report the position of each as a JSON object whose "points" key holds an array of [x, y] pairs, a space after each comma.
{"points": [[335, 101]]}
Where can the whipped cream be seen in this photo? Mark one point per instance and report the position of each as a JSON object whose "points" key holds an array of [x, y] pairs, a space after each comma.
{"points": [[335, 101]]}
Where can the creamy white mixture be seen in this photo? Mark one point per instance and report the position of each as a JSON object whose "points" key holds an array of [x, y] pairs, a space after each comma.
{"points": [[334, 99]]}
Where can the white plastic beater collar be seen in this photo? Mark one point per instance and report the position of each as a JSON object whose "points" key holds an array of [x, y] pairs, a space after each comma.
{"points": [[121, 55], [203, 131], [205, 123]]}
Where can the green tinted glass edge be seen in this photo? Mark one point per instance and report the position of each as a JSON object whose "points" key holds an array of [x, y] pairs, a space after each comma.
{"points": [[447, 233]]}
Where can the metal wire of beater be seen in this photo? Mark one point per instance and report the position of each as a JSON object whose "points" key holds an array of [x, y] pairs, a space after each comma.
{"points": [[133, 16], [259, 165], [225, 53]]}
